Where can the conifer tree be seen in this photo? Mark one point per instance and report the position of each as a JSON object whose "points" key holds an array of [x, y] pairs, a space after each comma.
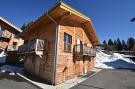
{"points": [[130, 43]]}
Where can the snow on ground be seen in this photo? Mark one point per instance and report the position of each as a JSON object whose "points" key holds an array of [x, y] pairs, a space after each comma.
{"points": [[2, 57], [113, 61]]}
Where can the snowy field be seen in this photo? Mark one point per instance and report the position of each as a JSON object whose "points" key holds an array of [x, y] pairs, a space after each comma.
{"points": [[114, 61]]}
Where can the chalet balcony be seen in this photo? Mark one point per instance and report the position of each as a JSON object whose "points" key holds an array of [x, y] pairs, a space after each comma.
{"points": [[36, 46], [12, 48], [5, 34], [84, 50]]}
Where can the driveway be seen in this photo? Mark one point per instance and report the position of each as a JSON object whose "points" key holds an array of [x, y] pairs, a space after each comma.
{"points": [[14, 82], [109, 79]]}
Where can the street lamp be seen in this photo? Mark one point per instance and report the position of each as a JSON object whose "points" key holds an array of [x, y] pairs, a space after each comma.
{"points": [[132, 20]]}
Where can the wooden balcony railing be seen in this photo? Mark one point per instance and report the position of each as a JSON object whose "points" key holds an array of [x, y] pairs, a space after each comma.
{"points": [[35, 46], [84, 50], [12, 48], [5, 34]]}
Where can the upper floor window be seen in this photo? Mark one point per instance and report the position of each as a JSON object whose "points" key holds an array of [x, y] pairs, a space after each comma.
{"points": [[16, 36], [1, 30], [67, 42]]}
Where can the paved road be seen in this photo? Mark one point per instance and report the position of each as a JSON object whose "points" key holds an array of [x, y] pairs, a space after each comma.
{"points": [[109, 79], [14, 82]]}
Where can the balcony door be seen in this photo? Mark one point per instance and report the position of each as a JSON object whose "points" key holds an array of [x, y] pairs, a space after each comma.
{"points": [[79, 42], [79, 45]]}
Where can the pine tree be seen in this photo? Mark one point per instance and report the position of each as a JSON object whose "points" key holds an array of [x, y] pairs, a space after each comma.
{"points": [[110, 45], [115, 45], [26, 25], [124, 45], [104, 45], [119, 45], [110, 42], [23, 26], [130, 43]]}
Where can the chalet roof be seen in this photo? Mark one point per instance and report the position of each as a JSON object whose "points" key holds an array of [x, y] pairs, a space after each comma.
{"points": [[7, 25], [62, 10]]}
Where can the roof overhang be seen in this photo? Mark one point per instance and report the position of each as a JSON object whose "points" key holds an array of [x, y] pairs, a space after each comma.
{"points": [[10, 27], [61, 11]]}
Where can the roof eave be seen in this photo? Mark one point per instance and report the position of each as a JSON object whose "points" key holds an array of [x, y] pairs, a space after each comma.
{"points": [[71, 10], [11, 25], [66, 7]]}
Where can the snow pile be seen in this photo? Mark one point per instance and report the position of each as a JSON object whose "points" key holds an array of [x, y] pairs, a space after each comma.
{"points": [[12, 70], [113, 61], [2, 57]]}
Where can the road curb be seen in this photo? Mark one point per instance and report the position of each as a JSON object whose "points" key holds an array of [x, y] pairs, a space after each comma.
{"points": [[89, 77], [94, 73], [28, 80]]}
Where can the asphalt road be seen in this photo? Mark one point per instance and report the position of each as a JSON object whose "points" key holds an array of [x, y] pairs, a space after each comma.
{"points": [[109, 79], [14, 82]]}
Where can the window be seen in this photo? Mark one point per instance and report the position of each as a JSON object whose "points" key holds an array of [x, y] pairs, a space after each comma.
{"points": [[15, 45], [1, 31], [67, 42], [16, 36]]}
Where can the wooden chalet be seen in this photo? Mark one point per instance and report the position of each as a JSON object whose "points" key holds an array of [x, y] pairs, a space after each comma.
{"points": [[9, 36], [59, 45], [9, 39]]}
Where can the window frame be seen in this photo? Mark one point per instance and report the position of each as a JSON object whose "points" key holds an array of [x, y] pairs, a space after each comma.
{"points": [[67, 40]]}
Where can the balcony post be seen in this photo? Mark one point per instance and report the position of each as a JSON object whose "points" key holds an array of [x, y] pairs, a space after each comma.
{"points": [[36, 45]]}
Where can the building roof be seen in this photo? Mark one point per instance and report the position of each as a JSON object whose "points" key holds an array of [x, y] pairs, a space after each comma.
{"points": [[7, 25], [62, 10]]}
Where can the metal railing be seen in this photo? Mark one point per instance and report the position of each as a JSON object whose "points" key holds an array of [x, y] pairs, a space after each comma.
{"points": [[82, 49], [33, 46]]}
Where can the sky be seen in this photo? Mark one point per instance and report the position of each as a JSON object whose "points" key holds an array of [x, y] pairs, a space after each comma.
{"points": [[111, 18]]}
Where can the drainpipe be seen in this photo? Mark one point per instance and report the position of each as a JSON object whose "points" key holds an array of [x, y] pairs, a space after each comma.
{"points": [[56, 47]]}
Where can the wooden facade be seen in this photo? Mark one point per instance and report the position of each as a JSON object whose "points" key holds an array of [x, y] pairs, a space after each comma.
{"points": [[41, 65], [71, 64], [62, 33], [9, 36]]}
